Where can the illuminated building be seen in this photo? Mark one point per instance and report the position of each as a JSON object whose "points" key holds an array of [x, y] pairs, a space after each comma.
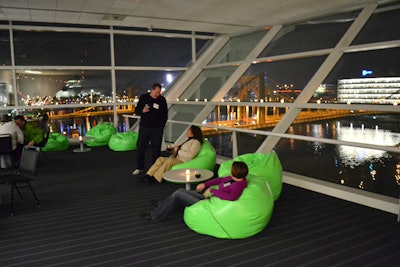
{"points": [[382, 90]]}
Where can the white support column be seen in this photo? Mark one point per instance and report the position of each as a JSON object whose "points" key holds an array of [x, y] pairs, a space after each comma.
{"points": [[326, 67], [14, 73], [234, 145], [194, 56], [113, 79]]}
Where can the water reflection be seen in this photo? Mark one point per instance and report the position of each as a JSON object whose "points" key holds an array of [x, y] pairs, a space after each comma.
{"points": [[354, 156]]}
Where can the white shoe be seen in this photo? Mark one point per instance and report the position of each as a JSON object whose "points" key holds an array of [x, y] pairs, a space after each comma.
{"points": [[137, 172]]}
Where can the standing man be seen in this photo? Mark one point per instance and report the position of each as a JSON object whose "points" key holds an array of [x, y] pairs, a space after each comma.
{"points": [[153, 111]]}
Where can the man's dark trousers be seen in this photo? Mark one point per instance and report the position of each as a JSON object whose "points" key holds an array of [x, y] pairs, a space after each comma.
{"points": [[154, 136]]}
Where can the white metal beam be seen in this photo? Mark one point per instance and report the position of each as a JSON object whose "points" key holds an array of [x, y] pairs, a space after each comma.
{"points": [[369, 199]]}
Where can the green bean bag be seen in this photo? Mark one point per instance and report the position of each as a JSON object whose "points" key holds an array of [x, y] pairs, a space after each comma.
{"points": [[56, 142], [102, 133], [262, 165], [123, 141], [206, 159], [238, 219]]}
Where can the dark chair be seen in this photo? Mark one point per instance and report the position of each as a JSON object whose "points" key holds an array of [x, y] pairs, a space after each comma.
{"points": [[24, 175], [6, 150]]}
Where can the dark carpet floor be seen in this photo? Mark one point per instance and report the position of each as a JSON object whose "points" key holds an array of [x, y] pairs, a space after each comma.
{"points": [[89, 217]]}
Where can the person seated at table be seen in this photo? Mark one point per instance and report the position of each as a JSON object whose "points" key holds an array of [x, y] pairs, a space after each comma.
{"points": [[7, 126], [182, 153], [228, 188], [33, 135]]}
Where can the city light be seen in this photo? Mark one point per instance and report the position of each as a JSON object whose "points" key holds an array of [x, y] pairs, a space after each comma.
{"points": [[169, 78]]}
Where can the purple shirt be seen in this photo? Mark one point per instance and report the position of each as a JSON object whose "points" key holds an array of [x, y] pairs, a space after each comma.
{"points": [[228, 189]]}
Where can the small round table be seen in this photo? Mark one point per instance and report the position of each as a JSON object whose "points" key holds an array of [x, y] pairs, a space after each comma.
{"points": [[80, 140], [187, 176]]}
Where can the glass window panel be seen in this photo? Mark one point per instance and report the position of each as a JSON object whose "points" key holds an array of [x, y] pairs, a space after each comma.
{"points": [[180, 112], [5, 55], [222, 142], [238, 48], [370, 77], [60, 25], [73, 121], [207, 84], [310, 35], [6, 88], [201, 46], [282, 80], [367, 169], [61, 48], [370, 127], [246, 116], [243, 115], [156, 30], [9, 112], [135, 83], [131, 50], [41, 87], [382, 26]]}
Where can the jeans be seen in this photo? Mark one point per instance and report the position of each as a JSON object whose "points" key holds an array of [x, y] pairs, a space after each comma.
{"points": [[146, 135], [181, 197]]}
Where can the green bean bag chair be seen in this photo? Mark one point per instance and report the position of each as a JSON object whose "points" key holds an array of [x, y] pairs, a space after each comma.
{"points": [[267, 166], [102, 133], [238, 219], [206, 159], [123, 141], [56, 142]]}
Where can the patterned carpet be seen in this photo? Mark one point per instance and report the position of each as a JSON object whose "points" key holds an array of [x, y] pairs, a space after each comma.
{"points": [[89, 217]]}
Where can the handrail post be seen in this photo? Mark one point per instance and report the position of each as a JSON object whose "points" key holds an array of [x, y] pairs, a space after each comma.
{"points": [[398, 214], [234, 145]]}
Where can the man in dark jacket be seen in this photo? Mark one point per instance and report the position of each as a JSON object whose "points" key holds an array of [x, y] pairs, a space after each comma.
{"points": [[153, 111]]}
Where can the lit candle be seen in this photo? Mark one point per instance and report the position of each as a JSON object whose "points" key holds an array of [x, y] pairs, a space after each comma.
{"points": [[80, 138], [187, 172]]}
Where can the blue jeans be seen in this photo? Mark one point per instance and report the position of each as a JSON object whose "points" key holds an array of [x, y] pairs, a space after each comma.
{"points": [[180, 197]]}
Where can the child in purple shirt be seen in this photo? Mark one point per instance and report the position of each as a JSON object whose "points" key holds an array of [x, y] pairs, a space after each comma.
{"points": [[228, 188]]}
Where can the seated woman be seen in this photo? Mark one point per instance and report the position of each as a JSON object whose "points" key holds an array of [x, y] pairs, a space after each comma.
{"points": [[183, 153], [7, 126], [228, 188]]}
